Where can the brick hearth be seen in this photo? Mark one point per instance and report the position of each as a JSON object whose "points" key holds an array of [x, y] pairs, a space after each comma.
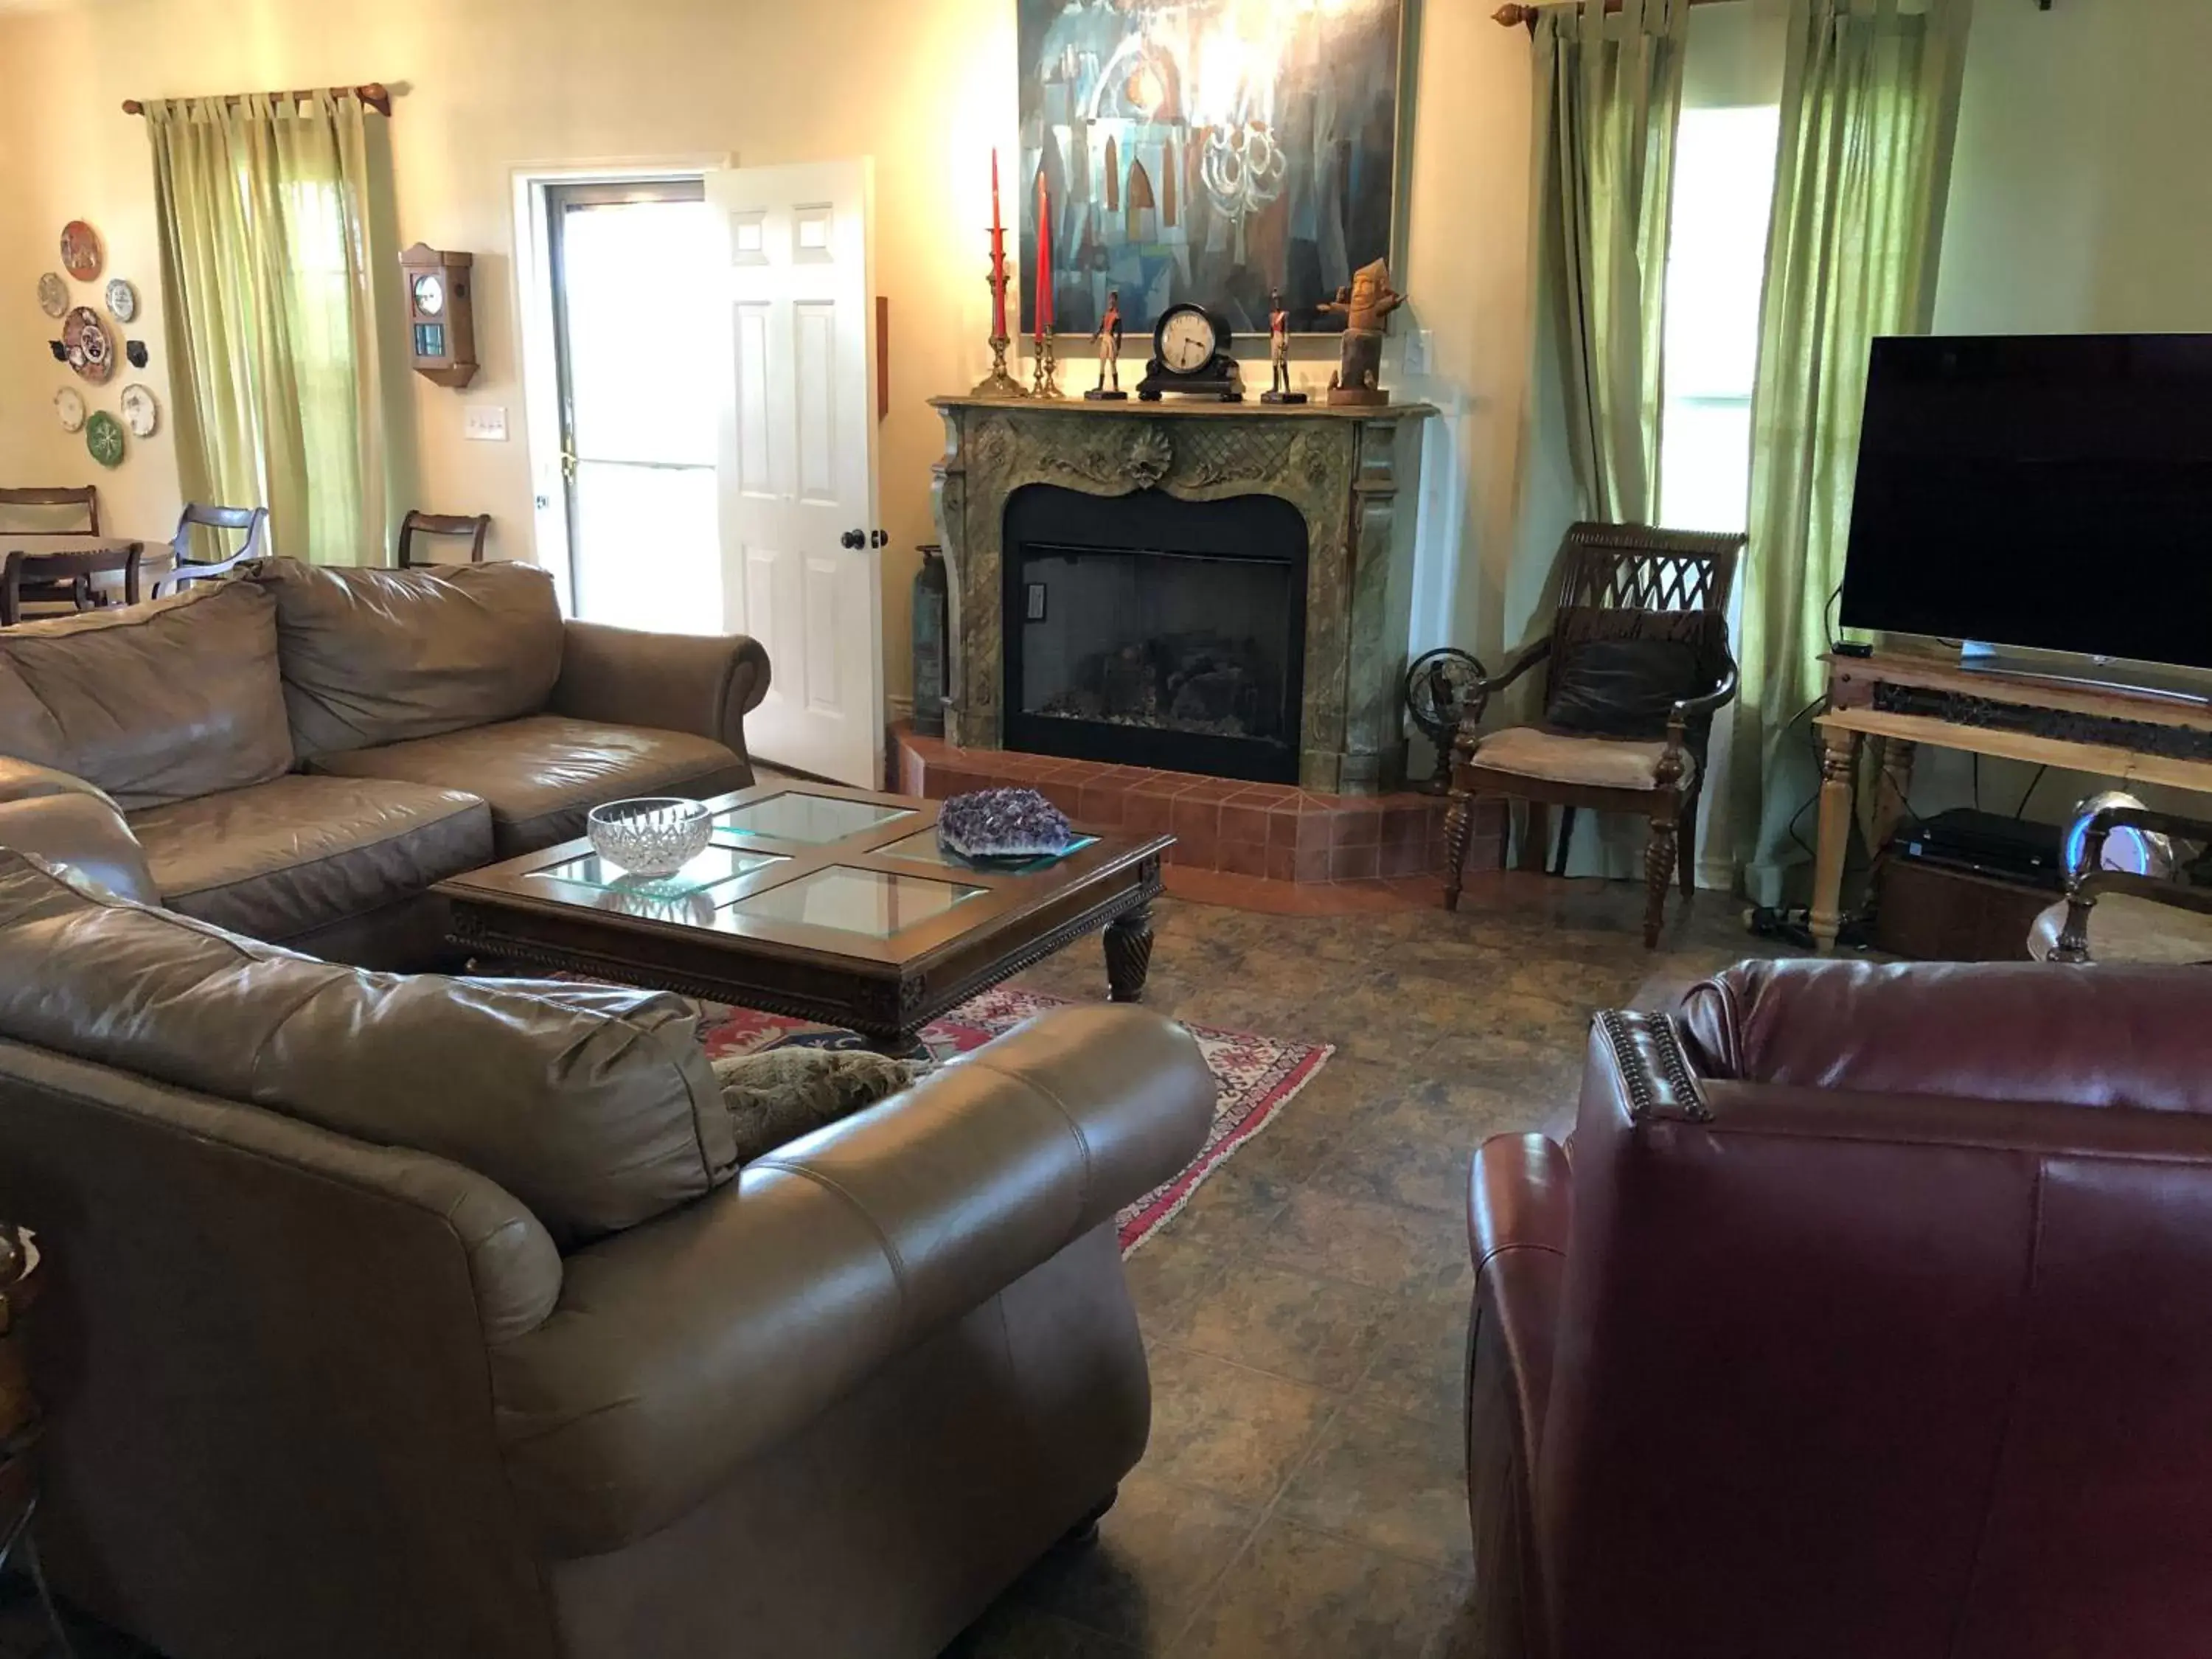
{"points": [[1267, 831]]}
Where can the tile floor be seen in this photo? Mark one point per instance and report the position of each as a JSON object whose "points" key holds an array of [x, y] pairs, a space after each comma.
{"points": [[1307, 1313]]}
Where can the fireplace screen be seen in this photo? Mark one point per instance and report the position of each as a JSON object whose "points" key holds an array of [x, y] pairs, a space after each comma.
{"points": [[1179, 646]]}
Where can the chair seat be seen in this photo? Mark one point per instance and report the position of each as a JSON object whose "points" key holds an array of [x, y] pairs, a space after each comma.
{"points": [[1529, 751], [2125, 928], [283, 859], [542, 773]]}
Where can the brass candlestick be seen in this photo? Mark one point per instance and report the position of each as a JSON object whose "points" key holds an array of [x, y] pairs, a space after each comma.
{"points": [[1045, 381], [997, 383]]}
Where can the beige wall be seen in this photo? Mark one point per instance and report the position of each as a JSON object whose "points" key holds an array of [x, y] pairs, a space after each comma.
{"points": [[924, 86]]}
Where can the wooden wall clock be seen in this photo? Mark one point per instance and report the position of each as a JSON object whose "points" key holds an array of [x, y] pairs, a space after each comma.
{"points": [[440, 314]]}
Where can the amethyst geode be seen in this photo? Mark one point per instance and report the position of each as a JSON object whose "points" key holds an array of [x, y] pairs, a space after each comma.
{"points": [[1002, 823]]}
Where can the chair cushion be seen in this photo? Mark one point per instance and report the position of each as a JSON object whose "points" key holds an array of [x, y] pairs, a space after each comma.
{"points": [[155, 702], [2124, 927], [300, 852], [542, 774], [383, 656], [594, 1106], [1622, 687], [1602, 763]]}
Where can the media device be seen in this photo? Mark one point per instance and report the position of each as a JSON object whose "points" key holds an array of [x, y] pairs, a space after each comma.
{"points": [[2052, 492], [1986, 844]]}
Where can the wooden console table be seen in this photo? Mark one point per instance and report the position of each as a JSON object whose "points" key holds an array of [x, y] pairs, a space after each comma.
{"points": [[1902, 700]]}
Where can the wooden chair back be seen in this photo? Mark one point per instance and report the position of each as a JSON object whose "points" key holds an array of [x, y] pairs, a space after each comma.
{"points": [[475, 526], [253, 521], [1630, 581], [86, 496], [70, 572]]}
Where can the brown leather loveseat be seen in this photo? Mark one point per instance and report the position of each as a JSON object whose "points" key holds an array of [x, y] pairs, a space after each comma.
{"points": [[397, 1316], [302, 751], [1870, 1314]]}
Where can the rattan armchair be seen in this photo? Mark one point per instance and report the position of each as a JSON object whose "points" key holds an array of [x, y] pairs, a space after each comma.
{"points": [[1619, 582]]}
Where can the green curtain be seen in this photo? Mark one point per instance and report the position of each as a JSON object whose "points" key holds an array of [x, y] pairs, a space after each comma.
{"points": [[1608, 93], [270, 288], [1870, 107]]}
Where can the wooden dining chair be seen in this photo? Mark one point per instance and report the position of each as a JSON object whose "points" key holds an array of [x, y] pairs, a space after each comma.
{"points": [[253, 521], [475, 526], [86, 496], [38, 576], [1638, 663]]}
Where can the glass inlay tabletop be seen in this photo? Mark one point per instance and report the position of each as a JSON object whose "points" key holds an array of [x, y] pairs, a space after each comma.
{"points": [[864, 902], [797, 816], [921, 847], [711, 868]]}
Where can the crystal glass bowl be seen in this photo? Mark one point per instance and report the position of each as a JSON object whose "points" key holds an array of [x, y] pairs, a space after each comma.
{"points": [[653, 836]]}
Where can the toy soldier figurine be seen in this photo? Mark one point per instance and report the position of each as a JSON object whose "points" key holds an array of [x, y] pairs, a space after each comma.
{"points": [[1108, 339], [1278, 352], [1366, 307]]}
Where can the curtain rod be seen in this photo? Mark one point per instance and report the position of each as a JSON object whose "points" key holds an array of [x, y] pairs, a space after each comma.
{"points": [[374, 94], [1509, 15]]}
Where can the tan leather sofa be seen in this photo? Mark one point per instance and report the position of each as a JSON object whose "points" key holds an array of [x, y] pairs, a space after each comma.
{"points": [[302, 751], [406, 1315]]}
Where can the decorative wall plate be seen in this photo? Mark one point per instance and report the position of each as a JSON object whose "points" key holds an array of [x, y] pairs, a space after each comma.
{"points": [[80, 252], [104, 438], [139, 412], [53, 294], [91, 353], [122, 300], [69, 405]]}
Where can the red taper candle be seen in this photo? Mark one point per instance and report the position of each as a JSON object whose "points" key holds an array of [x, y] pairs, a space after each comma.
{"points": [[1045, 259], [998, 258]]}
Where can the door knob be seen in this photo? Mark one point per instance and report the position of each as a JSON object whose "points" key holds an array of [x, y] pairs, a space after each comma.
{"points": [[854, 540]]}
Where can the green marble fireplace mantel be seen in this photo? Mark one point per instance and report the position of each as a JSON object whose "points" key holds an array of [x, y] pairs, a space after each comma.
{"points": [[1346, 469]]}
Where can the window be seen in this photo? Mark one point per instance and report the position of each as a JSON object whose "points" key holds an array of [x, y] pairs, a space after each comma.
{"points": [[1724, 163]]}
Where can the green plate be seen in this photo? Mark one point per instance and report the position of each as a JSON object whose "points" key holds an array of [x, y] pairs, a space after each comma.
{"points": [[103, 436]]}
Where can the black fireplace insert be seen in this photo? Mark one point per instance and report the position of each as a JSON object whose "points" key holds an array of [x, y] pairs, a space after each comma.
{"points": [[1152, 631]]}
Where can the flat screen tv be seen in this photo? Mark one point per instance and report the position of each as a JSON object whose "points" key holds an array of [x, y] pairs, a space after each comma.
{"points": [[2045, 491]]}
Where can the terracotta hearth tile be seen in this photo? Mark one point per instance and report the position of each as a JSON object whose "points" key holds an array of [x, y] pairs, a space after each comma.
{"points": [[1317, 833], [1100, 805], [1311, 864], [1283, 827], [1212, 789], [1241, 858], [1354, 863], [1193, 817], [1242, 823], [1357, 826], [1144, 814], [1283, 864], [1404, 859]]}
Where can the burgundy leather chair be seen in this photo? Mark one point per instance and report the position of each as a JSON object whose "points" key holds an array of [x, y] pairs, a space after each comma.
{"points": [[1870, 1315]]}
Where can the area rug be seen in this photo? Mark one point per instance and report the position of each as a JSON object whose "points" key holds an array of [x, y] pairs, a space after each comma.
{"points": [[1257, 1077]]}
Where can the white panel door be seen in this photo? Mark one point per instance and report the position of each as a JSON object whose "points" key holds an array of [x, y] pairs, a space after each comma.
{"points": [[798, 463]]}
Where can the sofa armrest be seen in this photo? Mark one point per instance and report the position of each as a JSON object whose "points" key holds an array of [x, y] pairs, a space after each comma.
{"points": [[681, 1348], [1520, 1206], [699, 683], [2019, 1032], [60, 817]]}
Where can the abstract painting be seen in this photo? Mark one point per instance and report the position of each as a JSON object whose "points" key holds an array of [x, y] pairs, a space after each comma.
{"points": [[1208, 150]]}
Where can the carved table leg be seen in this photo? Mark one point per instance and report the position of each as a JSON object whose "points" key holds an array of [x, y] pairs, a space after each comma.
{"points": [[1658, 875], [1128, 954], [1459, 830], [1838, 755]]}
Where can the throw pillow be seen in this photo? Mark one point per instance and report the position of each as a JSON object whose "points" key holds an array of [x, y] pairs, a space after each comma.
{"points": [[777, 1096], [1623, 687]]}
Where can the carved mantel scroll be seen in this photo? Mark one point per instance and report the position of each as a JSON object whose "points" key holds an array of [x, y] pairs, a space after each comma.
{"points": [[1342, 470]]}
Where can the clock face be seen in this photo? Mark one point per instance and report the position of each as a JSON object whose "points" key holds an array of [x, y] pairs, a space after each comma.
{"points": [[1185, 341], [429, 294]]}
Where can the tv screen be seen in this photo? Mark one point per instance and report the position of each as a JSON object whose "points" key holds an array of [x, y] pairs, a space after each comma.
{"points": [[2050, 491]]}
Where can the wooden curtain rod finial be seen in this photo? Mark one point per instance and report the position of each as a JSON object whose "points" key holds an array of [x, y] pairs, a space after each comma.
{"points": [[1509, 15], [373, 94]]}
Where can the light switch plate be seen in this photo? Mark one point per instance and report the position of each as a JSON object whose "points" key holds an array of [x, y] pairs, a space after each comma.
{"points": [[1417, 352], [487, 421]]}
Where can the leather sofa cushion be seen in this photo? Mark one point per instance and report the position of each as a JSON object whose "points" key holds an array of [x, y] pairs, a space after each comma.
{"points": [[382, 656], [298, 853], [542, 774], [152, 703], [594, 1106]]}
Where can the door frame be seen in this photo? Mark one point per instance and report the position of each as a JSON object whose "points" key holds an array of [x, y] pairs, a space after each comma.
{"points": [[529, 183]]}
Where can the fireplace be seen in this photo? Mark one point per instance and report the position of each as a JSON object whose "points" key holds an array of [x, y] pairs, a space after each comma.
{"points": [[1155, 632], [1194, 587]]}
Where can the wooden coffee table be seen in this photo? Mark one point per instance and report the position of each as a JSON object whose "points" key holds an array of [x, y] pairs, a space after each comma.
{"points": [[820, 902]]}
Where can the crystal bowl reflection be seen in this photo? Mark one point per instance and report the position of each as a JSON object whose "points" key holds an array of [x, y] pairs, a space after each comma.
{"points": [[654, 836]]}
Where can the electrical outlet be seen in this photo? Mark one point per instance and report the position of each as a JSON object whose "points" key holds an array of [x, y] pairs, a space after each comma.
{"points": [[486, 422]]}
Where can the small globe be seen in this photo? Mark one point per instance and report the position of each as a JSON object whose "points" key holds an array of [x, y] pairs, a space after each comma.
{"points": [[1437, 688]]}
